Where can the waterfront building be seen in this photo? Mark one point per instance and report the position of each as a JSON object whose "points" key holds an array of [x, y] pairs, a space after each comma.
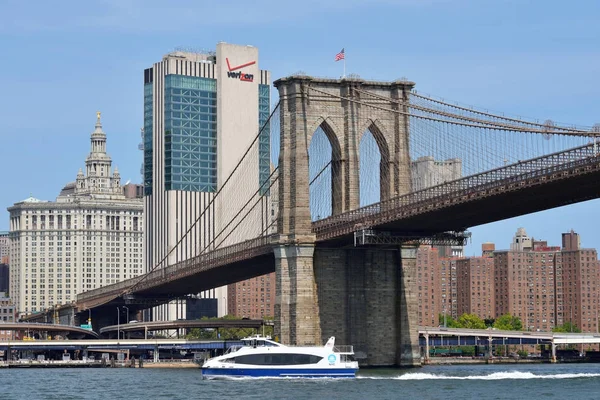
{"points": [[448, 286], [91, 236], [475, 286], [577, 285], [7, 314], [253, 298], [201, 112], [429, 287], [525, 282]]}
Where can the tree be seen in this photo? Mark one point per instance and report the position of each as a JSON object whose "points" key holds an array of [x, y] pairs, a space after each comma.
{"points": [[224, 333], [450, 322], [508, 322], [566, 327], [470, 321]]}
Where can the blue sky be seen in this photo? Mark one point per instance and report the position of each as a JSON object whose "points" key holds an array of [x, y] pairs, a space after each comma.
{"points": [[63, 61]]}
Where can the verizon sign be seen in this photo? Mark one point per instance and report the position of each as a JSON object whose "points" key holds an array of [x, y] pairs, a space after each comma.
{"points": [[231, 71]]}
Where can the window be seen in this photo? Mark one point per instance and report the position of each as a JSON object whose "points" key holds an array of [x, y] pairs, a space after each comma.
{"points": [[277, 359], [190, 133]]}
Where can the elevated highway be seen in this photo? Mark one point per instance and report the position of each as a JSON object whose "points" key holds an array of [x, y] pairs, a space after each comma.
{"points": [[182, 324], [67, 330]]}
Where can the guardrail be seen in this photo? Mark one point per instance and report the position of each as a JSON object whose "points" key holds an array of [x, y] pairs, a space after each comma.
{"points": [[204, 262]]}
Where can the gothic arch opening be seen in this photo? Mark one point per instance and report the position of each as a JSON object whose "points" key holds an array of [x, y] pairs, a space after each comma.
{"points": [[373, 168], [324, 157]]}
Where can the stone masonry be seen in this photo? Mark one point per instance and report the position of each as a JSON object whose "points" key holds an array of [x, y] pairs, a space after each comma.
{"points": [[363, 296]]}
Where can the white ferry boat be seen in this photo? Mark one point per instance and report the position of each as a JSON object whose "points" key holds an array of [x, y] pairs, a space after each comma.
{"points": [[262, 357]]}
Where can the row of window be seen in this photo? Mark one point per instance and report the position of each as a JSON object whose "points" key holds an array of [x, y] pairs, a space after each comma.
{"points": [[276, 359]]}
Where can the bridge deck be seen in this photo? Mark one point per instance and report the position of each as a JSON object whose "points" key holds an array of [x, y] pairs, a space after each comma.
{"points": [[533, 185]]}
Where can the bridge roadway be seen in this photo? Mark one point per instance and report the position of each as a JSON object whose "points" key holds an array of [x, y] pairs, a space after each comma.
{"points": [[119, 345], [183, 324], [37, 327], [541, 183]]}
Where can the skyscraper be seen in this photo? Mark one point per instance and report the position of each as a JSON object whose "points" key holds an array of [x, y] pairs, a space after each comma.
{"points": [[201, 112]]}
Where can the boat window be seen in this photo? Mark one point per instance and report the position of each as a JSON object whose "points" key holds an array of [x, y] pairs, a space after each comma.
{"points": [[278, 359], [233, 349]]}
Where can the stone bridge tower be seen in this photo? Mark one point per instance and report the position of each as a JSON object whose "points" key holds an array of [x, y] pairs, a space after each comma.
{"points": [[363, 296]]}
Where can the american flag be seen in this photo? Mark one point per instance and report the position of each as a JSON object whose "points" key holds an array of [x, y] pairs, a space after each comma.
{"points": [[339, 56]]}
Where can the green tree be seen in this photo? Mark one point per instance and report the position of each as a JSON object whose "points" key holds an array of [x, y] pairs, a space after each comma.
{"points": [[450, 322], [508, 322], [470, 321], [566, 327], [224, 333]]}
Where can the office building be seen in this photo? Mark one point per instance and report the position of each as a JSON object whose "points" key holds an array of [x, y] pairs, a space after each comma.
{"points": [[4, 277], [201, 112], [3, 247], [91, 236]]}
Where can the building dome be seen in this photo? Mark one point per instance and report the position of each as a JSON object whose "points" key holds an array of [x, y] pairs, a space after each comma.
{"points": [[68, 189]]}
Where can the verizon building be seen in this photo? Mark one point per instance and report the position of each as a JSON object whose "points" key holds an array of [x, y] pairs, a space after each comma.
{"points": [[201, 112]]}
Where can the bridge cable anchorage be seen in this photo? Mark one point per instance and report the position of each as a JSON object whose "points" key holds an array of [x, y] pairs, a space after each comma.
{"points": [[253, 152]]}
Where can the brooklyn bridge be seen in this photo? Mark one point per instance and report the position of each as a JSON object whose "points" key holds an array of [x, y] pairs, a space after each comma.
{"points": [[341, 212]]}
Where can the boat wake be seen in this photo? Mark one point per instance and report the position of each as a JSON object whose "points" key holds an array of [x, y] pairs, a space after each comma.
{"points": [[491, 377]]}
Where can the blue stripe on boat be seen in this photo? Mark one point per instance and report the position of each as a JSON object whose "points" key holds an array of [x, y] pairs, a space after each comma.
{"points": [[284, 373]]}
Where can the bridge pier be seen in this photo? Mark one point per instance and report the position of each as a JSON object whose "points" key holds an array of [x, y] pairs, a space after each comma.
{"points": [[367, 298], [296, 307]]}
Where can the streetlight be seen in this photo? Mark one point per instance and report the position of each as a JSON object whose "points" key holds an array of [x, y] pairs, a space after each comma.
{"points": [[118, 323], [127, 308]]}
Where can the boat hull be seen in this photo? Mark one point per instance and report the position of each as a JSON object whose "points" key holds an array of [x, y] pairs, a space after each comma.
{"points": [[216, 373]]}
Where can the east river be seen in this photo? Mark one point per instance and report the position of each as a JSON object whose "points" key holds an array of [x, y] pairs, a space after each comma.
{"points": [[560, 381]]}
